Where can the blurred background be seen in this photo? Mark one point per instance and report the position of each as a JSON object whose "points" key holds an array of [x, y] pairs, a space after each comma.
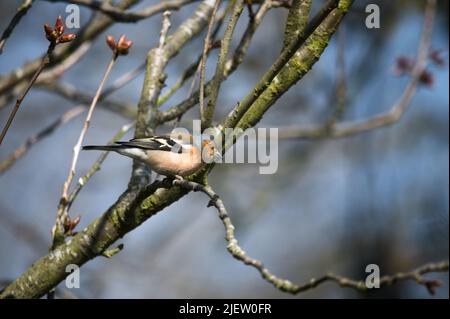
{"points": [[335, 205]]}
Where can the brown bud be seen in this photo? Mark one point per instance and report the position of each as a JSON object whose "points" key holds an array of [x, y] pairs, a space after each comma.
{"points": [[70, 224], [49, 33], [76, 221], [56, 35], [59, 26], [403, 65], [66, 38], [122, 39], [111, 42], [431, 285], [123, 45], [426, 78], [48, 29]]}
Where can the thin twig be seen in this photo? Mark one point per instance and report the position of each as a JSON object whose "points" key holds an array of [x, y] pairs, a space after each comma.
{"points": [[58, 229], [190, 71], [287, 286], [70, 92], [45, 60], [206, 45], [148, 114], [400, 107], [120, 15], [55, 36], [49, 74], [394, 114], [164, 29], [242, 107], [69, 115], [388, 280], [196, 67], [340, 93], [117, 84], [123, 80], [230, 66], [219, 76], [20, 12], [82, 181], [25, 147], [91, 30]]}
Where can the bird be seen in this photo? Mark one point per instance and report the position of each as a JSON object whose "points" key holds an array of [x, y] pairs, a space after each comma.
{"points": [[171, 156]]}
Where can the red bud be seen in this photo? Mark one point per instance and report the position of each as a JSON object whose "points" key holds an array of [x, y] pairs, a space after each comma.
{"points": [[48, 29], [121, 39], [123, 45], [59, 26], [111, 42], [66, 38]]}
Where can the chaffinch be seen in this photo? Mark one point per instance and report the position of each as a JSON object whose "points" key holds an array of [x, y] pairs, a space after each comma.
{"points": [[166, 155]]}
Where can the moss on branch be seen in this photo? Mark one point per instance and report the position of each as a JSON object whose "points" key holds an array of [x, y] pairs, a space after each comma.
{"points": [[300, 64]]}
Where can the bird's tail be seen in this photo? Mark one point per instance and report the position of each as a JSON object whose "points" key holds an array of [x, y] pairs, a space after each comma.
{"points": [[107, 148]]}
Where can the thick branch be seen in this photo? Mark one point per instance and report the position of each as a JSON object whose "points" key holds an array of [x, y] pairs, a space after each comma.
{"points": [[291, 73], [230, 66], [334, 11], [297, 20]]}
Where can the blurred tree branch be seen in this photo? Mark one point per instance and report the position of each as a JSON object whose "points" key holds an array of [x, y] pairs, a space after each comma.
{"points": [[120, 15], [304, 44], [90, 31], [32, 140], [20, 12], [395, 112]]}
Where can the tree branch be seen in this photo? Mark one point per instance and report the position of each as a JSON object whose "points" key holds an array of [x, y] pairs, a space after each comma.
{"points": [[297, 20], [219, 73], [25, 147], [120, 15], [245, 115], [395, 112], [44, 61], [20, 12], [157, 59], [388, 280], [206, 45], [58, 231], [136, 205], [333, 11], [93, 29], [287, 286], [230, 66]]}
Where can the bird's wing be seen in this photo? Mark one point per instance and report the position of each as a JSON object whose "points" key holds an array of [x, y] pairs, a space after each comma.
{"points": [[157, 143]]}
